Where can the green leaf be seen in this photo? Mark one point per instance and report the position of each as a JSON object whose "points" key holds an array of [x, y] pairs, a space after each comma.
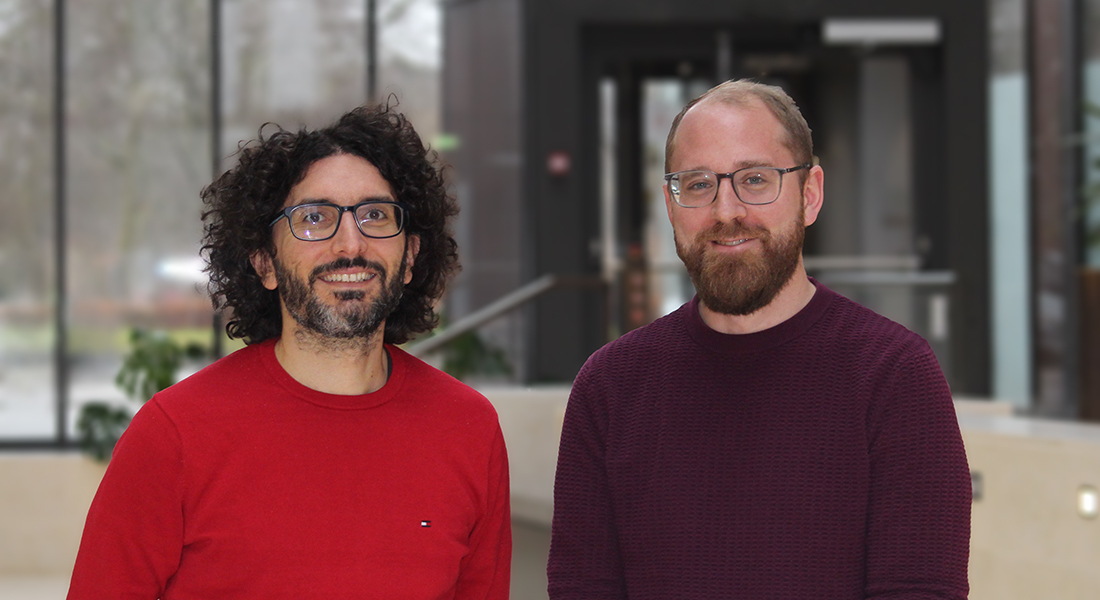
{"points": [[99, 427], [152, 363], [468, 354]]}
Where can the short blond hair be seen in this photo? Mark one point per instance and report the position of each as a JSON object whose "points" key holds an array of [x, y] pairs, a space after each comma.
{"points": [[740, 93]]}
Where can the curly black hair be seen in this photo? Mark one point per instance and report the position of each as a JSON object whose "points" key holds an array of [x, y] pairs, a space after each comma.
{"points": [[241, 203]]}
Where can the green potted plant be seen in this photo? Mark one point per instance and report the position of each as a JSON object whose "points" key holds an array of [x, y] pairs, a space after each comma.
{"points": [[150, 366]]}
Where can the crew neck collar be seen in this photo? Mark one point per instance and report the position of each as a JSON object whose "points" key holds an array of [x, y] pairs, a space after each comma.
{"points": [[399, 363], [799, 323]]}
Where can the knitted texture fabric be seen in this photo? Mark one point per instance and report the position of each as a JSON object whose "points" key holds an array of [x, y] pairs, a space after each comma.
{"points": [[820, 458], [240, 482]]}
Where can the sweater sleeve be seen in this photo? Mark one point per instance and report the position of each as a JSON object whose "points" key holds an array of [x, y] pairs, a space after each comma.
{"points": [[485, 571], [919, 508], [585, 561], [133, 536]]}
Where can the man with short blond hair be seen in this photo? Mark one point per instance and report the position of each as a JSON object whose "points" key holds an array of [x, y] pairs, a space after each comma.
{"points": [[770, 439]]}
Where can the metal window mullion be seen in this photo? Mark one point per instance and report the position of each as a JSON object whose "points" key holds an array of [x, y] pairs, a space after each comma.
{"points": [[61, 297], [216, 134], [372, 50]]}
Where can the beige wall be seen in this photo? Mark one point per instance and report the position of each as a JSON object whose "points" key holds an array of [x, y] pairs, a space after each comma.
{"points": [[43, 500], [531, 420], [1028, 541]]}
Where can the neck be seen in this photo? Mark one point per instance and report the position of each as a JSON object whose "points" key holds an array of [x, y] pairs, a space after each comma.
{"points": [[794, 296], [333, 366]]}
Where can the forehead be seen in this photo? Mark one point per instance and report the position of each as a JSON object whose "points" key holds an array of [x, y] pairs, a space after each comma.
{"points": [[343, 179], [721, 137]]}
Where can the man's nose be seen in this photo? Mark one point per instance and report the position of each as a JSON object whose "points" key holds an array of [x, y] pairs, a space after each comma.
{"points": [[348, 238], [727, 206]]}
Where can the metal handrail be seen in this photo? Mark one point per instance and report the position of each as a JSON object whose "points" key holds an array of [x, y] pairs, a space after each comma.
{"points": [[479, 317], [917, 279], [862, 262]]}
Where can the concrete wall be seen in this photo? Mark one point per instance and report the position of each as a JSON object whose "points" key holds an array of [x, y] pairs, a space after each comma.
{"points": [[1027, 539]]}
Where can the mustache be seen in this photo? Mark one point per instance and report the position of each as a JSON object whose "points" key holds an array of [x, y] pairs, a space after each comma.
{"points": [[347, 263], [732, 230]]}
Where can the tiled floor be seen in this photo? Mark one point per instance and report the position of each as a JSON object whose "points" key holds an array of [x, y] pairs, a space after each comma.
{"points": [[530, 545]]}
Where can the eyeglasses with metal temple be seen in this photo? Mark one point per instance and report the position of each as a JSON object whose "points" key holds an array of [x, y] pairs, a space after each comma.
{"points": [[752, 185]]}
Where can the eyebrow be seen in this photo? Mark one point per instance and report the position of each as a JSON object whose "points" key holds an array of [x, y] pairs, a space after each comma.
{"points": [[308, 201], [745, 164]]}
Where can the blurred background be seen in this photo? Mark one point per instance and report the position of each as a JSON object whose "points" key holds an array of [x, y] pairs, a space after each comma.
{"points": [[961, 143]]}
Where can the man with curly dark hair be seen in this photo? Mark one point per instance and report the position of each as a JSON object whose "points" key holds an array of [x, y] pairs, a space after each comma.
{"points": [[321, 460]]}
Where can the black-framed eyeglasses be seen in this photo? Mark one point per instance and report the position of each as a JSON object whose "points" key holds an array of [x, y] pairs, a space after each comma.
{"points": [[319, 221], [752, 185]]}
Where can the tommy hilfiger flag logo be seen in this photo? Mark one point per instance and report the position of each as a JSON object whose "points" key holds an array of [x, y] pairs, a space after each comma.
{"points": [[425, 523]]}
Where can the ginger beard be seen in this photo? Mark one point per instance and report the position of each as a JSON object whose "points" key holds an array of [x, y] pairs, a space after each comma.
{"points": [[350, 318], [744, 283]]}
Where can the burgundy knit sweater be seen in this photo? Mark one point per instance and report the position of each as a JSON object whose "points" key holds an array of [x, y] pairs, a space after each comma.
{"points": [[819, 459]]}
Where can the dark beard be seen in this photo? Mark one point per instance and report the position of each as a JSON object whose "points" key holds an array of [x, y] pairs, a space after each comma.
{"points": [[742, 285], [353, 321]]}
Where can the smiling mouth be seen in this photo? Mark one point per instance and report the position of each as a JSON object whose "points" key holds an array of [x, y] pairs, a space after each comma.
{"points": [[347, 277], [731, 242]]}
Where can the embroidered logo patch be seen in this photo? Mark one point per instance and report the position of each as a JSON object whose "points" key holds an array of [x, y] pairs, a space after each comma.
{"points": [[425, 523]]}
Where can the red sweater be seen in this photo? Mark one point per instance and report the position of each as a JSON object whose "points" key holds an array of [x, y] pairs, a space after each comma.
{"points": [[239, 482], [818, 459]]}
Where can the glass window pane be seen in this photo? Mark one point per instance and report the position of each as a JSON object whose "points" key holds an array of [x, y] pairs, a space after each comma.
{"points": [[289, 62], [409, 59], [27, 258], [138, 155], [1010, 208]]}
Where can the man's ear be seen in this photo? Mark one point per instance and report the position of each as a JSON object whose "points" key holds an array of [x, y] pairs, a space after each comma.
{"points": [[261, 262], [813, 194], [668, 201], [412, 250]]}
